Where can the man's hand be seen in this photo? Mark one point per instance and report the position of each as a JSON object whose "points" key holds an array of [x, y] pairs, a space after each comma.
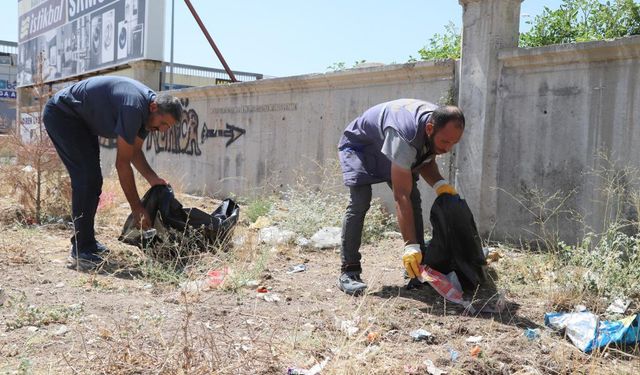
{"points": [[443, 187], [141, 218], [411, 259]]}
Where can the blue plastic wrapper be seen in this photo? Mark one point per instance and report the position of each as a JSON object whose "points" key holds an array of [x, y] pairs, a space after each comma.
{"points": [[587, 332], [532, 333]]}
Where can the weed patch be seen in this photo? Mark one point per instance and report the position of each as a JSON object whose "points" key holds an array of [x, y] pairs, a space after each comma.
{"points": [[42, 316]]}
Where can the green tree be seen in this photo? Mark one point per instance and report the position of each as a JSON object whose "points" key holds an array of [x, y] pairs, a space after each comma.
{"points": [[574, 21], [582, 21], [443, 46]]}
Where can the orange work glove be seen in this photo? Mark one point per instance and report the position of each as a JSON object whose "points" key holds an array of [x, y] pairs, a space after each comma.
{"points": [[411, 259], [443, 187]]}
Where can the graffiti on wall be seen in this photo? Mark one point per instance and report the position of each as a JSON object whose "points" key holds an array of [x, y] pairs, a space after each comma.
{"points": [[232, 132], [186, 137], [181, 138]]}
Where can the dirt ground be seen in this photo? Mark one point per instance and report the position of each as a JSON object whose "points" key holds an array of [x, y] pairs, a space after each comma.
{"points": [[121, 321]]}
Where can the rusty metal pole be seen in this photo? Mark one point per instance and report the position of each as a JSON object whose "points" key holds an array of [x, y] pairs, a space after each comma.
{"points": [[213, 45]]}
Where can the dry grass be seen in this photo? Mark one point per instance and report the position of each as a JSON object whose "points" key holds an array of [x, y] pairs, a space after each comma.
{"points": [[135, 319]]}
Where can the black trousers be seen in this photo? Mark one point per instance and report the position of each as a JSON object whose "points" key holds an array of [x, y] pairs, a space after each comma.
{"points": [[80, 152], [353, 223]]}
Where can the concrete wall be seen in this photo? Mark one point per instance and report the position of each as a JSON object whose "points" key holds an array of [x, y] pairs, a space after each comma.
{"points": [[560, 109], [536, 122], [292, 126]]}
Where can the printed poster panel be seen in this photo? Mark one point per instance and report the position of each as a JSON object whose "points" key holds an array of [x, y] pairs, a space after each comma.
{"points": [[80, 36], [7, 116]]}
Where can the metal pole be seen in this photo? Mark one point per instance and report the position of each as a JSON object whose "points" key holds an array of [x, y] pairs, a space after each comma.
{"points": [[213, 45], [173, 7]]}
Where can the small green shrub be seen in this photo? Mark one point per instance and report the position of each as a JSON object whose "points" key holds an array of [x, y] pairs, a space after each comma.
{"points": [[306, 211], [607, 265], [38, 317], [256, 208]]}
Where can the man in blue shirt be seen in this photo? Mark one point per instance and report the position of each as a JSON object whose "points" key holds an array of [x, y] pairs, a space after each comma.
{"points": [[110, 107], [394, 142]]}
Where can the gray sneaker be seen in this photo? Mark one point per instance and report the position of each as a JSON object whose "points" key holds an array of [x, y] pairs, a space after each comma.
{"points": [[84, 261], [351, 283]]}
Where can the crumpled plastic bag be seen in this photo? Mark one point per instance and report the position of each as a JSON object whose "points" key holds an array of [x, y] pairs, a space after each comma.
{"points": [[587, 332], [171, 219]]}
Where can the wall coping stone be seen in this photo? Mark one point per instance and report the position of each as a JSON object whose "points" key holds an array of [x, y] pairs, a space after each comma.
{"points": [[417, 72], [572, 53]]}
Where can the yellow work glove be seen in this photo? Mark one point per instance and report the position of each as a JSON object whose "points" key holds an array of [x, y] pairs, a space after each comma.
{"points": [[411, 259], [443, 187]]}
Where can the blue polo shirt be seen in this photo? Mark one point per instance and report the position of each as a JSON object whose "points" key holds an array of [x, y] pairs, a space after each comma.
{"points": [[110, 106]]}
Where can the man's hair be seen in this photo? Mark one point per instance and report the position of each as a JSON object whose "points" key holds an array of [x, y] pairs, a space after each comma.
{"points": [[169, 104], [445, 114]]}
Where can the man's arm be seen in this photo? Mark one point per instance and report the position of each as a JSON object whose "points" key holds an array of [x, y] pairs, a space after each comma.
{"points": [[124, 157], [432, 176], [402, 184], [431, 173], [140, 162]]}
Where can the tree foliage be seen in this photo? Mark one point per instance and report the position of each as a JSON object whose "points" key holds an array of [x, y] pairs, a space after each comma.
{"points": [[443, 46], [582, 21], [574, 21]]}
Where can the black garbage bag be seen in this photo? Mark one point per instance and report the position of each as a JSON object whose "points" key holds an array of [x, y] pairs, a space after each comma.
{"points": [[455, 245], [172, 223]]}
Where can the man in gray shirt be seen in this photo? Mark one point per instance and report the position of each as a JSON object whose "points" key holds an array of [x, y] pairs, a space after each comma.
{"points": [[393, 142], [111, 107]]}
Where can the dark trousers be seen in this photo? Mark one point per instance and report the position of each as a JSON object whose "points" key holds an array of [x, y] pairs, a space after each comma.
{"points": [[353, 223], [80, 152]]}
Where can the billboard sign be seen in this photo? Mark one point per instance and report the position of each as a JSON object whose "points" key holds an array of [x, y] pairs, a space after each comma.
{"points": [[8, 94], [80, 36], [7, 115]]}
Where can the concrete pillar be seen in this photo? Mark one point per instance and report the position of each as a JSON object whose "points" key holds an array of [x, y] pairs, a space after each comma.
{"points": [[147, 72], [488, 26]]}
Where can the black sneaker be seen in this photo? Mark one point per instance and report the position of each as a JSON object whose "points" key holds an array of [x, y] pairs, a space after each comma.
{"points": [[84, 261], [101, 249], [351, 283]]}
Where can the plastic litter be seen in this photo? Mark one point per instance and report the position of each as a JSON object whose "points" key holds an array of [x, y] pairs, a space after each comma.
{"points": [[421, 335], [275, 236], [194, 286], [303, 242], [475, 351], [297, 268], [312, 371], [619, 306], [453, 354], [61, 331], [369, 351], [579, 308], [373, 337], [432, 369], [327, 237], [215, 278], [262, 289], [532, 333], [349, 327], [412, 370], [261, 222], [474, 339], [587, 332], [444, 287], [269, 297]]}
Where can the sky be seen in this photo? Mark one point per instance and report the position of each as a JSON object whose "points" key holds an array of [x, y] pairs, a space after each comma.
{"points": [[293, 37]]}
